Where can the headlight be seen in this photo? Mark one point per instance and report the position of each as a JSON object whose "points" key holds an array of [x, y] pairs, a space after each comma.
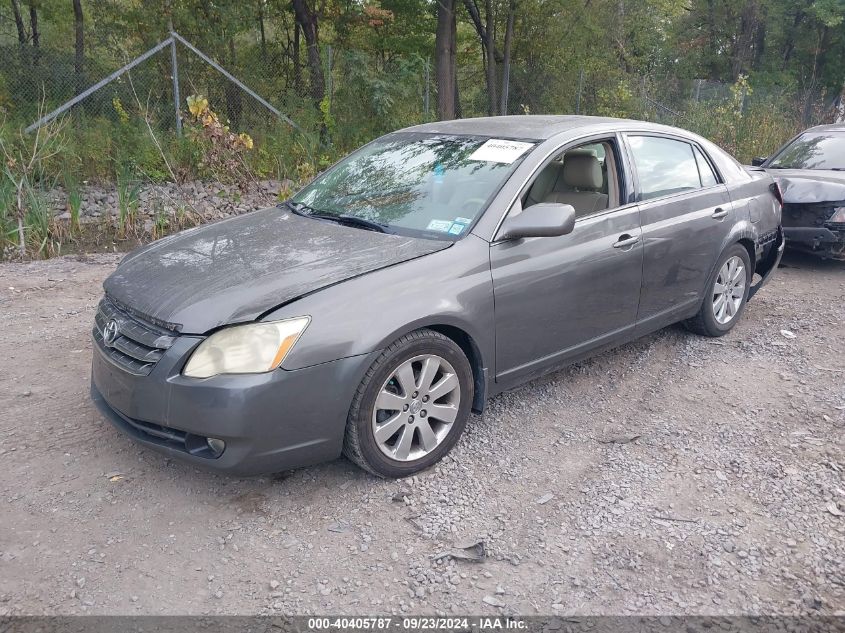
{"points": [[245, 349], [838, 216]]}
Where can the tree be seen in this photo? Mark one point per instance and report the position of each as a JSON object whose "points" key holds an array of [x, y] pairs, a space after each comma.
{"points": [[306, 18], [16, 11], [445, 69], [79, 45], [506, 62], [490, 59], [486, 35], [36, 34]]}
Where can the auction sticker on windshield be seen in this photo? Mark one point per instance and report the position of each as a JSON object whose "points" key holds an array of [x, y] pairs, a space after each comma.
{"points": [[500, 151]]}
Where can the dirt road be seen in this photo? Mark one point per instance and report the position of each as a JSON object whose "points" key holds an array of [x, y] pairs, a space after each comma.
{"points": [[675, 475]]}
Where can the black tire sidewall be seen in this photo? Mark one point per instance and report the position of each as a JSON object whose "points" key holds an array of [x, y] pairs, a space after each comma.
{"points": [[710, 321], [361, 416]]}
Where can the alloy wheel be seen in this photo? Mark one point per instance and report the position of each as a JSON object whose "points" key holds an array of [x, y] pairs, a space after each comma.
{"points": [[416, 407], [729, 290]]}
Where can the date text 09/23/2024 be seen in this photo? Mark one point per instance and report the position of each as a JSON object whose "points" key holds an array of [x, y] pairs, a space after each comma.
{"points": [[411, 623]]}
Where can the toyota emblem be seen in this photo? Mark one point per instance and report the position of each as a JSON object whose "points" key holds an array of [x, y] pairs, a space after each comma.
{"points": [[111, 332]]}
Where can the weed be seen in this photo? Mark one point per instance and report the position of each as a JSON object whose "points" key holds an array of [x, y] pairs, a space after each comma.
{"points": [[74, 200], [128, 200]]}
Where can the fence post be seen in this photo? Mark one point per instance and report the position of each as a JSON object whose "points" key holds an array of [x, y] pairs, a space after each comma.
{"points": [[177, 100]]}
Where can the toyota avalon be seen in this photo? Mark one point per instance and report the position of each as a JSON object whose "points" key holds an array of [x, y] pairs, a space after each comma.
{"points": [[418, 277]]}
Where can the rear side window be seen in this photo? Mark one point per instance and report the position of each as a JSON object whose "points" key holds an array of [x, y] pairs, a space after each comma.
{"points": [[708, 178], [664, 166]]}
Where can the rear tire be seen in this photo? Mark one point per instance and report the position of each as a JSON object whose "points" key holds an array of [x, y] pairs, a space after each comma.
{"points": [[726, 294], [411, 407]]}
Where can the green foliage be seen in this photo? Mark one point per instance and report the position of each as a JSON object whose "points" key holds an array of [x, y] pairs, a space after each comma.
{"points": [[8, 222], [617, 101], [37, 224], [128, 199], [754, 130], [74, 201]]}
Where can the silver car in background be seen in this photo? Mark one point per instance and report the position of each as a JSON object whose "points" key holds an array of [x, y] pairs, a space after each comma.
{"points": [[428, 271]]}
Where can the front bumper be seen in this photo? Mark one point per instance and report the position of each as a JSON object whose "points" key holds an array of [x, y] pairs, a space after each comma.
{"points": [[823, 241], [269, 422]]}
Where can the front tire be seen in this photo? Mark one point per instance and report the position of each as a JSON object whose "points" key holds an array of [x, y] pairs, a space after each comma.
{"points": [[411, 407], [727, 293]]}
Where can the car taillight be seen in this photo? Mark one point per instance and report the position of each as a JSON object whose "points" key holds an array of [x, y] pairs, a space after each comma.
{"points": [[775, 188]]}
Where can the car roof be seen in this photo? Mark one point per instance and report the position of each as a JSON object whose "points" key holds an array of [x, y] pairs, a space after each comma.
{"points": [[533, 126]]}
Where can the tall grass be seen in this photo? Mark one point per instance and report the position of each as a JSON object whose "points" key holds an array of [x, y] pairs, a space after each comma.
{"points": [[8, 221], [38, 216], [128, 200], [74, 200]]}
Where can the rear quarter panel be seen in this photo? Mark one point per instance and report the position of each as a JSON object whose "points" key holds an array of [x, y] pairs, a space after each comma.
{"points": [[759, 212], [756, 209]]}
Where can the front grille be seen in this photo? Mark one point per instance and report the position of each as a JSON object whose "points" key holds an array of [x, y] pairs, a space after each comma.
{"points": [[135, 345]]}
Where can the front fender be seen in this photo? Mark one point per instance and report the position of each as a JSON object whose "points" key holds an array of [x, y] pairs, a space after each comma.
{"points": [[452, 287]]}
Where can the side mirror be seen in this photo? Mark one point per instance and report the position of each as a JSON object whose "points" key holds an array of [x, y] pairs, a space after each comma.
{"points": [[546, 219], [758, 160]]}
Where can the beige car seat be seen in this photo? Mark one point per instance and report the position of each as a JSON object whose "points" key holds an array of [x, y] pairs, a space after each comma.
{"points": [[582, 176]]}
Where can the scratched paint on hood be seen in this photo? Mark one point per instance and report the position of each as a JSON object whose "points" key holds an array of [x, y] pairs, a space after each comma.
{"points": [[235, 270]]}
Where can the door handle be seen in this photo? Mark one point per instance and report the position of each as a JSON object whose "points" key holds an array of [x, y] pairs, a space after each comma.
{"points": [[626, 240], [719, 213]]}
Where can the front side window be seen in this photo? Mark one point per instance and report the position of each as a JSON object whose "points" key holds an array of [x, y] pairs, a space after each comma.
{"points": [[585, 177], [812, 150], [664, 166], [429, 185]]}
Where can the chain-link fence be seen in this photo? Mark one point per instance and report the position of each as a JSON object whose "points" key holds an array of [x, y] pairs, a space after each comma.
{"points": [[354, 96]]}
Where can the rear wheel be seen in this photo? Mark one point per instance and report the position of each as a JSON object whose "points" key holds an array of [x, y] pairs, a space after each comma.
{"points": [[727, 293], [411, 406]]}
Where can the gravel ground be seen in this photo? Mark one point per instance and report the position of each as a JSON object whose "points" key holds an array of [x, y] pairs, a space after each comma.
{"points": [[675, 475]]}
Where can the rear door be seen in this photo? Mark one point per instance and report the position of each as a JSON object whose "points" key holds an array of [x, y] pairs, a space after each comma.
{"points": [[686, 215]]}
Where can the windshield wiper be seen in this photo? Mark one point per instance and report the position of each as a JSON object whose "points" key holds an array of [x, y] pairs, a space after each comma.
{"points": [[300, 208], [362, 223]]}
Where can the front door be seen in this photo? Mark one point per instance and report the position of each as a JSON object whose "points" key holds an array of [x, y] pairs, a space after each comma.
{"points": [[556, 298], [559, 297]]}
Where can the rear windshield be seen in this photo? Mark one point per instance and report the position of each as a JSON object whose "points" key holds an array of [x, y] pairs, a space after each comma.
{"points": [[812, 150], [429, 185]]}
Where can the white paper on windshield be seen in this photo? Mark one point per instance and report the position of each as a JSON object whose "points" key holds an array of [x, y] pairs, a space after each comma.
{"points": [[500, 151]]}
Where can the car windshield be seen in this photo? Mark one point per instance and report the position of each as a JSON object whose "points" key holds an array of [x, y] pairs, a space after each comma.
{"points": [[813, 150], [428, 185]]}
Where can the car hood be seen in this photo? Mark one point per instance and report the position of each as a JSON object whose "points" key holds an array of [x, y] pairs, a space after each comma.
{"points": [[809, 186], [238, 269]]}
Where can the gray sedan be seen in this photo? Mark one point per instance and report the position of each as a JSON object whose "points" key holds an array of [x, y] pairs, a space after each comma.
{"points": [[426, 272]]}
